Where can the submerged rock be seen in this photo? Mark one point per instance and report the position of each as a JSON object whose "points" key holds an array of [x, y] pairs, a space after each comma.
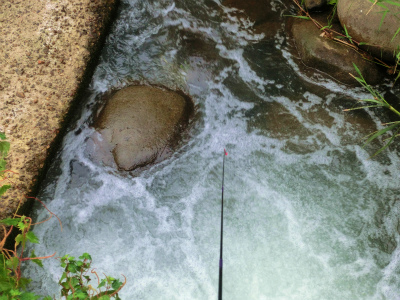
{"points": [[266, 15], [139, 125], [330, 57], [375, 25], [258, 11], [311, 4]]}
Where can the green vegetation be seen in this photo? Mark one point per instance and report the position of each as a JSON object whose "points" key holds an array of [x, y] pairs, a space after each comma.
{"points": [[74, 282], [4, 148], [377, 101]]}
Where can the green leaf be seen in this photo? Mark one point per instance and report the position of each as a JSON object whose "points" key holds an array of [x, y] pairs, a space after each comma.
{"points": [[373, 101], [4, 147], [3, 164], [75, 282], [382, 131], [383, 17], [116, 284], [11, 222], [36, 261], [3, 189], [397, 77], [395, 34], [12, 263], [68, 258], [387, 144], [6, 285], [81, 295], [32, 237], [104, 297], [85, 256], [20, 239], [299, 17], [102, 283], [392, 2], [2, 136], [357, 70], [361, 107], [28, 296], [71, 268], [65, 285], [23, 282], [63, 276], [329, 27], [14, 292]]}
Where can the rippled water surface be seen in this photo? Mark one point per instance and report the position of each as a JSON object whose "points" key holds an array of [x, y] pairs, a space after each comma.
{"points": [[307, 215]]}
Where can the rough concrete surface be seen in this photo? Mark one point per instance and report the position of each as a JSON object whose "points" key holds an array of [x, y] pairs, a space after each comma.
{"points": [[45, 48]]}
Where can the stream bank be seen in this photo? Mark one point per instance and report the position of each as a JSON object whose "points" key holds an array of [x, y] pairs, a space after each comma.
{"points": [[50, 49]]}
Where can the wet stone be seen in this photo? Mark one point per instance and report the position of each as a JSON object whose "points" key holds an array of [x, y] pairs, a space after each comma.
{"points": [[139, 125]]}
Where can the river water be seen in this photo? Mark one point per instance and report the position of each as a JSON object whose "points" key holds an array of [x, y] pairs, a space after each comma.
{"points": [[307, 214]]}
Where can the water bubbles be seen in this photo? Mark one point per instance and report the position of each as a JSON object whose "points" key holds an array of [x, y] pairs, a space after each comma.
{"points": [[308, 216]]}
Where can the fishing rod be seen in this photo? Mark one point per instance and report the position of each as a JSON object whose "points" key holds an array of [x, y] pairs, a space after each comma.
{"points": [[222, 229]]}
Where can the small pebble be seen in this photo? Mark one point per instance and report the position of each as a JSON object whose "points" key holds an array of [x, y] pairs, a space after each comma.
{"points": [[20, 94]]}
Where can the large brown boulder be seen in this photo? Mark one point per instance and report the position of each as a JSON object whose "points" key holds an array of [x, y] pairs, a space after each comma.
{"points": [[368, 23], [139, 125], [328, 56]]}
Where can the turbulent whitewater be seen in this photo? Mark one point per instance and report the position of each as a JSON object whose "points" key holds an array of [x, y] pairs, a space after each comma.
{"points": [[307, 215]]}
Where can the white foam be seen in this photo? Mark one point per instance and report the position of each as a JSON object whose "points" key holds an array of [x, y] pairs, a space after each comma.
{"points": [[297, 224]]}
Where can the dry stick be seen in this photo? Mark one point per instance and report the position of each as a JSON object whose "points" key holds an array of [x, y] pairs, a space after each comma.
{"points": [[21, 258], [53, 214], [98, 278], [6, 234], [372, 6], [34, 198], [39, 257]]}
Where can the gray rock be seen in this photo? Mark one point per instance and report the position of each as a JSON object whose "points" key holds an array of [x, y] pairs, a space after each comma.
{"points": [[139, 125], [328, 56], [365, 27]]}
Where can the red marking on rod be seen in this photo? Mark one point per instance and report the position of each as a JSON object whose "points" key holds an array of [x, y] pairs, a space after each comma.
{"points": [[226, 153]]}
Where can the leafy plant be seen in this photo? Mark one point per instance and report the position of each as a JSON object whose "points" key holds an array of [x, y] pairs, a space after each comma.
{"points": [[4, 148], [12, 284], [74, 281], [377, 101]]}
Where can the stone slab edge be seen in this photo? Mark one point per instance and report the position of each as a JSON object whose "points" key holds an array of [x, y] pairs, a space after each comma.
{"points": [[49, 49]]}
